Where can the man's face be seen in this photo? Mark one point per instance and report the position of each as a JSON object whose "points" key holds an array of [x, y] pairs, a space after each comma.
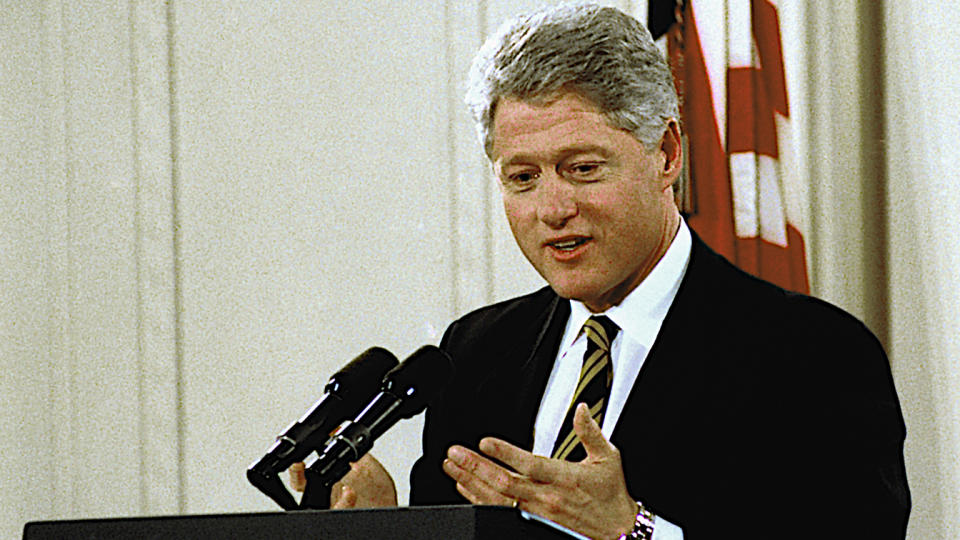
{"points": [[591, 209]]}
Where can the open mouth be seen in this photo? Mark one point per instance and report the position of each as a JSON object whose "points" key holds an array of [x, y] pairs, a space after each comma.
{"points": [[568, 244]]}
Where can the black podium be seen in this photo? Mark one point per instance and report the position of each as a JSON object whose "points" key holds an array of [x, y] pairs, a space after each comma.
{"points": [[411, 523]]}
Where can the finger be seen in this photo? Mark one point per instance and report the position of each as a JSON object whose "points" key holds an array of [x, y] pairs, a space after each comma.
{"points": [[486, 478], [347, 499], [298, 479], [473, 488], [473, 462], [537, 468], [484, 499], [596, 446], [470, 496]]}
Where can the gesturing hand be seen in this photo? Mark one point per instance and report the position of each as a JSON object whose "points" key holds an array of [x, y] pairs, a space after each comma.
{"points": [[589, 497]]}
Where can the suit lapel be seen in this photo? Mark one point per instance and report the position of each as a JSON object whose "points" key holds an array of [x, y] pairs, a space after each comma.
{"points": [[665, 361], [520, 380], [536, 370], [665, 404]]}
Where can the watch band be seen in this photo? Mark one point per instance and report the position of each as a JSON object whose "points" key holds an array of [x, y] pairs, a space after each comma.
{"points": [[642, 525]]}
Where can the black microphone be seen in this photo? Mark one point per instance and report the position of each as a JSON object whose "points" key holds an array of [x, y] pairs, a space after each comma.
{"points": [[405, 392], [345, 393]]}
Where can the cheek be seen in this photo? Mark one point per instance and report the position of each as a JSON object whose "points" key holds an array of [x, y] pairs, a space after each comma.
{"points": [[624, 216], [518, 214]]}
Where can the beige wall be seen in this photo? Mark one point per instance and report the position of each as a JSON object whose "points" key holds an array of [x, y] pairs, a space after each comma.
{"points": [[206, 210], [88, 408], [313, 215]]}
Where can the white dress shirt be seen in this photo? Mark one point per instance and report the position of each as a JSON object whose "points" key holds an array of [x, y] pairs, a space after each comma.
{"points": [[639, 317]]}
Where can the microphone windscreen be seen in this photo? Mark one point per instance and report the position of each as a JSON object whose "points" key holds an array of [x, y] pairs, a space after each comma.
{"points": [[419, 378], [366, 371]]}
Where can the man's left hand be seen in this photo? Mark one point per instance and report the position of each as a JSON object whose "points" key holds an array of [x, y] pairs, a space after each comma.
{"points": [[367, 485], [589, 497]]}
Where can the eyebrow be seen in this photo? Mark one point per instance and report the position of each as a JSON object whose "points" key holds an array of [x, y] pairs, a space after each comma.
{"points": [[559, 154]]}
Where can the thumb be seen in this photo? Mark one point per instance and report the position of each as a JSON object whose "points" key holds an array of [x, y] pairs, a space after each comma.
{"points": [[347, 499], [590, 435]]}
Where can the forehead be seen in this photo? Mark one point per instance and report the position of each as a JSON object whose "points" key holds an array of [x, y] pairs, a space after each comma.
{"points": [[524, 128], [514, 116]]}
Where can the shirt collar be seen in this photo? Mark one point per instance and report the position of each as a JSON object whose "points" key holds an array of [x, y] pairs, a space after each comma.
{"points": [[641, 313]]}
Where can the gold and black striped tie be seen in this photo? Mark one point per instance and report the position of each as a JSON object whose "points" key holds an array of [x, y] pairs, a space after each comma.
{"points": [[596, 375]]}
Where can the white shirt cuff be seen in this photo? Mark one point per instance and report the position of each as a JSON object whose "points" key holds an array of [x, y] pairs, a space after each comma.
{"points": [[664, 530]]}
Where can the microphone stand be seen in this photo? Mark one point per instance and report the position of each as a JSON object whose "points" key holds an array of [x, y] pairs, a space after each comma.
{"points": [[316, 496]]}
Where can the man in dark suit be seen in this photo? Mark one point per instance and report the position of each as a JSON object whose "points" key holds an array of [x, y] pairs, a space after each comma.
{"points": [[752, 412], [713, 404]]}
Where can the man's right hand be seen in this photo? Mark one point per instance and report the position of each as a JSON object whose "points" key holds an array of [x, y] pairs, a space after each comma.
{"points": [[367, 485]]}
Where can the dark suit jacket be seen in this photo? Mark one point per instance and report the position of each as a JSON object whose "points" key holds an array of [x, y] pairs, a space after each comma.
{"points": [[758, 413]]}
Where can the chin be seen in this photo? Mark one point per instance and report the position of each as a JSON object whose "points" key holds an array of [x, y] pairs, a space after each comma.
{"points": [[573, 291]]}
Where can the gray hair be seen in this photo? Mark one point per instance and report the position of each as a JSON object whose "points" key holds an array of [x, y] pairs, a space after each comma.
{"points": [[600, 53]]}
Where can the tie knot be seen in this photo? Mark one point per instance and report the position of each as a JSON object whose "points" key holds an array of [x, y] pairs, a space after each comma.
{"points": [[601, 331]]}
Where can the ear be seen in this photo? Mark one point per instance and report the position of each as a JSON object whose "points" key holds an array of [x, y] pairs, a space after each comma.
{"points": [[671, 148]]}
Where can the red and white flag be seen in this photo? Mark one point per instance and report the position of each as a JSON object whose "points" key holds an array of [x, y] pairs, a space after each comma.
{"points": [[743, 196]]}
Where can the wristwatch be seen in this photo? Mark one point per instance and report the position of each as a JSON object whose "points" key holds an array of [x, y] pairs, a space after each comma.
{"points": [[642, 525]]}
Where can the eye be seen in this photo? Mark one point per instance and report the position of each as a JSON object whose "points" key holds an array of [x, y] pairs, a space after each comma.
{"points": [[585, 170], [520, 180]]}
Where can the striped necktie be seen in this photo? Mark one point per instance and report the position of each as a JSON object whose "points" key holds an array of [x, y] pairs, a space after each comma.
{"points": [[593, 388]]}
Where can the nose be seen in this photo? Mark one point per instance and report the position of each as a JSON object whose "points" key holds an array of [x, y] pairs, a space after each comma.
{"points": [[557, 203]]}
